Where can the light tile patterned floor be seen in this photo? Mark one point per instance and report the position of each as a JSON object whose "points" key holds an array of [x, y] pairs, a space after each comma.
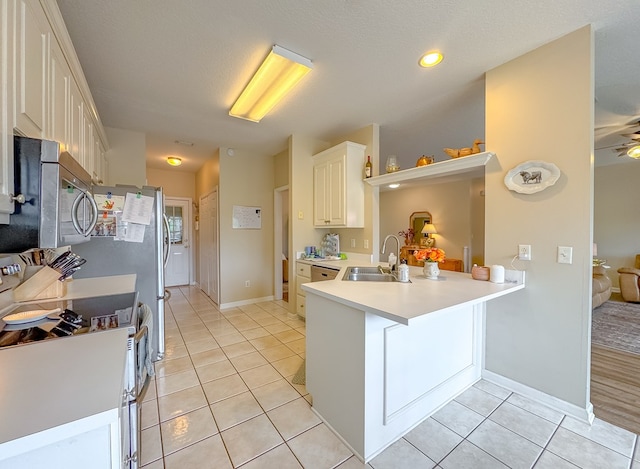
{"points": [[223, 398]]}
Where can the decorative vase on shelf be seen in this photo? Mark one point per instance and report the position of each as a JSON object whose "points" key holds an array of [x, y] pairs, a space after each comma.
{"points": [[431, 270]]}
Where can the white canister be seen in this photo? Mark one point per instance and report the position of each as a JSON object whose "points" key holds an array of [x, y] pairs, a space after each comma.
{"points": [[496, 274]]}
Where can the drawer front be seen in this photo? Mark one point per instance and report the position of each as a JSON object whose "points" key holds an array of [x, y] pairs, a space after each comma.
{"points": [[299, 282], [300, 306], [303, 269]]}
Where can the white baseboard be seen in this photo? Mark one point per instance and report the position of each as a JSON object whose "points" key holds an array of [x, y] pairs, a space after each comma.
{"points": [[245, 302], [585, 415]]}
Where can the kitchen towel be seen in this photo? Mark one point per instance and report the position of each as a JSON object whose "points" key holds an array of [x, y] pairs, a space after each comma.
{"points": [[147, 320]]}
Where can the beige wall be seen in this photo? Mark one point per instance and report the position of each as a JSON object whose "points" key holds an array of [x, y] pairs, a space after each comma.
{"points": [[206, 179], [281, 168], [616, 224], [246, 179], [173, 183], [450, 208], [369, 136], [540, 106], [301, 230], [476, 196], [126, 157], [281, 179]]}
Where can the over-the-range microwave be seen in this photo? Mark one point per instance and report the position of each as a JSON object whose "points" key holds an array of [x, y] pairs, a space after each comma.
{"points": [[54, 206]]}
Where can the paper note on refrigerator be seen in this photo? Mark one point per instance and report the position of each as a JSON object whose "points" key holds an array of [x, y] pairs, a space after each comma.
{"points": [[138, 208], [134, 233]]}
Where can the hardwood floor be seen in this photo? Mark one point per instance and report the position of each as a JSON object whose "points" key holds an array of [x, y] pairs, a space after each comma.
{"points": [[615, 387]]}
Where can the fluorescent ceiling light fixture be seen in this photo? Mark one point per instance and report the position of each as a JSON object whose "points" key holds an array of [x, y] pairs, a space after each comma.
{"points": [[634, 152], [278, 74], [394, 186], [174, 161], [431, 58]]}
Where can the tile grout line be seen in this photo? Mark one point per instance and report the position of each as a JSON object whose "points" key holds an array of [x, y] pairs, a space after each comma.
{"points": [[253, 395]]}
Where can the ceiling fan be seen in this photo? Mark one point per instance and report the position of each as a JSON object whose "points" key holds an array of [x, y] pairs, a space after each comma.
{"points": [[630, 148]]}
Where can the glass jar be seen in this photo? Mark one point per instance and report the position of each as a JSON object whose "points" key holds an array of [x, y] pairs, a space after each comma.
{"points": [[392, 164]]}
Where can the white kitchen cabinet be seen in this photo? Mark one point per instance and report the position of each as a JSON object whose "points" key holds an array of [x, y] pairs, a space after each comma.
{"points": [[303, 275], [338, 191], [32, 35], [87, 160], [74, 410], [75, 121], [43, 91], [59, 88], [100, 160], [6, 115]]}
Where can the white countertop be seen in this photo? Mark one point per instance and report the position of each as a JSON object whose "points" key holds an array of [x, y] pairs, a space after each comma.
{"points": [[53, 382], [402, 302]]}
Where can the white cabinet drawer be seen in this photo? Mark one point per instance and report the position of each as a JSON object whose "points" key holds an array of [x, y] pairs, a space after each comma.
{"points": [[299, 281], [301, 306], [303, 269]]}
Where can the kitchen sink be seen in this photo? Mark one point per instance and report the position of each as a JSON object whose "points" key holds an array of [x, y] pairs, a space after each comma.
{"points": [[368, 274]]}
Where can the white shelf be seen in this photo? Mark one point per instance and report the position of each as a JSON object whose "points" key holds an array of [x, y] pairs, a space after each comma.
{"points": [[442, 171]]}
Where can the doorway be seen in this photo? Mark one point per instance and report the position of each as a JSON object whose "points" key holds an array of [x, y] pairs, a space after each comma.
{"points": [[281, 243], [178, 269]]}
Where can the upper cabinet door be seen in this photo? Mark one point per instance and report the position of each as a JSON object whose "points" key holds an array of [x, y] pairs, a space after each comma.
{"points": [[6, 118], [59, 89], [32, 35], [338, 191]]}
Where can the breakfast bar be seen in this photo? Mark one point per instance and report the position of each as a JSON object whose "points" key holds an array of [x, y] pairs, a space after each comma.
{"points": [[382, 357]]}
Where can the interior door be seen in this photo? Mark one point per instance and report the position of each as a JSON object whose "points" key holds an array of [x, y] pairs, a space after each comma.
{"points": [[209, 245], [178, 267]]}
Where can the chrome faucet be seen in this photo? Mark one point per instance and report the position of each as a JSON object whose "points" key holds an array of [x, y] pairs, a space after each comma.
{"points": [[384, 244]]}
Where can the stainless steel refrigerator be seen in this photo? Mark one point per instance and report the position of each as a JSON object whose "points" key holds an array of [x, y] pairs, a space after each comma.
{"points": [[107, 256]]}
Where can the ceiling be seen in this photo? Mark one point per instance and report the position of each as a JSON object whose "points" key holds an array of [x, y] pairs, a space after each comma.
{"points": [[172, 69]]}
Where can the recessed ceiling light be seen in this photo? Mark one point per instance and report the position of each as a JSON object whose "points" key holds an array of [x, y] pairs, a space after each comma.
{"points": [[431, 58], [394, 186], [174, 161]]}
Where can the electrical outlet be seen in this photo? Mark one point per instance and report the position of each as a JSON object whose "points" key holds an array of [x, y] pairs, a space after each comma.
{"points": [[565, 254], [366, 244], [247, 283], [353, 242], [524, 252]]}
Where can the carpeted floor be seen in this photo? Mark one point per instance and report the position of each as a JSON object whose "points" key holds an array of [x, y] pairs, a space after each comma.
{"points": [[617, 325]]}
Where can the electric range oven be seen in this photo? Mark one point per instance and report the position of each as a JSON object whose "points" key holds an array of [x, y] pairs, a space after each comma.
{"points": [[95, 315]]}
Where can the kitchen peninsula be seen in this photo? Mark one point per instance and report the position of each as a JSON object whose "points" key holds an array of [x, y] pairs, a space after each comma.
{"points": [[382, 357]]}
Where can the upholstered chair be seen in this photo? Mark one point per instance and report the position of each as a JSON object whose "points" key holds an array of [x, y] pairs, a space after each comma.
{"points": [[630, 282], [601, 286]]}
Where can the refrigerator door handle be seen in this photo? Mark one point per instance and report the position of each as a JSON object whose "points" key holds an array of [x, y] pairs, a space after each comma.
{"points": [[167, 240], [74, 213]]}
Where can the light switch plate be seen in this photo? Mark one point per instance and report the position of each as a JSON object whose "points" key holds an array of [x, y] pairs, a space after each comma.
{"points": [[565, 254]]}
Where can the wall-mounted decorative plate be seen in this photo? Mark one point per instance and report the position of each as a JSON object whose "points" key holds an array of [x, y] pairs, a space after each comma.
{"points": [[531, 177]]}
